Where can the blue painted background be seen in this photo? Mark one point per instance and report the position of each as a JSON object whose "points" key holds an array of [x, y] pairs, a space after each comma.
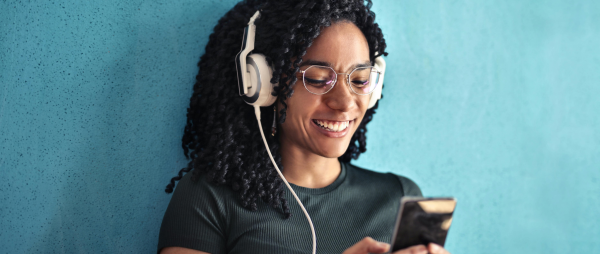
{"points": [[494, 102]]}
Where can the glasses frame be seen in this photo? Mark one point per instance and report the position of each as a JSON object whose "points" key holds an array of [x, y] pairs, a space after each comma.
{"points": [[336, 79]]}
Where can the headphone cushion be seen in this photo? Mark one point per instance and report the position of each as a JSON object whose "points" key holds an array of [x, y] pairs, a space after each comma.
{"points": [[376, 94], [261, 89]]}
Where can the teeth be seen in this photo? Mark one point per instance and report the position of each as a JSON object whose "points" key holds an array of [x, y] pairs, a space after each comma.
{"points": [[333, 126]]}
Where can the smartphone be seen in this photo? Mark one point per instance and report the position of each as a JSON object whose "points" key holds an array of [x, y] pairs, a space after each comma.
{"points": [[422, 221]]}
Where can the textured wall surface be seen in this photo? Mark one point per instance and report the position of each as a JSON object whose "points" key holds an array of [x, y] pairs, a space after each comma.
{"points": [[493, 102]]}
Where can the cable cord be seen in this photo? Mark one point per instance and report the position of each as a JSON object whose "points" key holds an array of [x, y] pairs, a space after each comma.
{"points": [[312, 228]]}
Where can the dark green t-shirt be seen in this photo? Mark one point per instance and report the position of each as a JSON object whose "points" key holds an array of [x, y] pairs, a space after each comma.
{"points": [[360, 203]]}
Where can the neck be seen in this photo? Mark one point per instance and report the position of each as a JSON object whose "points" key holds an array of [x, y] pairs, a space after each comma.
{"points": [[307, 169]]}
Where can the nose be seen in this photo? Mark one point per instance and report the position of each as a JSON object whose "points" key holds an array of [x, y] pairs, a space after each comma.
{"points": [[340, 97]]}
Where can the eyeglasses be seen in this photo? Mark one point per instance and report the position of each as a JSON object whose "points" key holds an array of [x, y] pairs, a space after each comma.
{"points": [[321, 79]]}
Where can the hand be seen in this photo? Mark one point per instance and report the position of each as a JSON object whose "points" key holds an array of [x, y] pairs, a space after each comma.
{"points": [[369, 245]]}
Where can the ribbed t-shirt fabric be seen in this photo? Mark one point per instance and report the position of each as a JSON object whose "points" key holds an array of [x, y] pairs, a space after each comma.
{"points": [[359, 203]]}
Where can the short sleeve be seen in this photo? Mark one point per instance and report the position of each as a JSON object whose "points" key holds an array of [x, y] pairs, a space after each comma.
{"points": [[195, 218], [409, 187]]}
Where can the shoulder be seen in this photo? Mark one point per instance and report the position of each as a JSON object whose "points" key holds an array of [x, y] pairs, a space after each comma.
{"points": [[406, 185], [202, 196], [196, 217], [200, 193]]}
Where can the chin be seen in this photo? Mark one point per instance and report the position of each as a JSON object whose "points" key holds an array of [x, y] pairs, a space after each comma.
{"points": [[334, 150], [333, 155]]}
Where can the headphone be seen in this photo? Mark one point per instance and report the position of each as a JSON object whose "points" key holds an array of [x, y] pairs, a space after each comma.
{"points": [[254, 82], [254, 73]]}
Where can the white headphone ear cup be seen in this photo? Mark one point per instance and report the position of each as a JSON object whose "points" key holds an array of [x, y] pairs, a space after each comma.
{"points": [[261, 90], [376, 94]]}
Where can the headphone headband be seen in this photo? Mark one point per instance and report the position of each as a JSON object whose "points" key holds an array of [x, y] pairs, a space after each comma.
{"points": [[240, 58]]}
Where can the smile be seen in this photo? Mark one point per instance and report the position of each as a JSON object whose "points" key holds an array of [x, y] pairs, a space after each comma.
{"points": [[333, 126]]}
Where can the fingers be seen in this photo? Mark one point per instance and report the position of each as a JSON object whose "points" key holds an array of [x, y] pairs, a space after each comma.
{"points": [[367, 245], [417, 249]]}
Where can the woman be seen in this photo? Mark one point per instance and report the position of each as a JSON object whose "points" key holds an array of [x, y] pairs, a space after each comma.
{"points": [[233, 201]]}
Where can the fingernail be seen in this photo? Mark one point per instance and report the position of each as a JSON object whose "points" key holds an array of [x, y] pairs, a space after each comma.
{"points": [[434, 247], [383, 245]]}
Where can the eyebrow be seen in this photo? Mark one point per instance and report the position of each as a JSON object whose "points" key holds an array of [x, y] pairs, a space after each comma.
{"points": [[314, 62]]}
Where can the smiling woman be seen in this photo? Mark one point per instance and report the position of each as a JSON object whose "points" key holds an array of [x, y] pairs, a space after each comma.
{"points": [[233, 200]]}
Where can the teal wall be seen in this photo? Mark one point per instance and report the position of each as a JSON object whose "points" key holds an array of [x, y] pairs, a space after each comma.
{"points": [[493, 102]]}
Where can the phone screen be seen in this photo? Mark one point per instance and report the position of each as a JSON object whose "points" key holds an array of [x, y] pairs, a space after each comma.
{"points": [[422, 221]]}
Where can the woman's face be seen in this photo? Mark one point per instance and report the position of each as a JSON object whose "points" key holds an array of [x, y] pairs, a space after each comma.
{"points": [[343, 47]]}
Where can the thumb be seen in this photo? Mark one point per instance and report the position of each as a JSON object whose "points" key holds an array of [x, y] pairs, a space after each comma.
{"points": [[367, 245]]}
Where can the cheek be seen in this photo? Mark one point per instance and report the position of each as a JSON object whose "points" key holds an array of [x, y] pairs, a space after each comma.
{"points": [[364, 100], [363, 103], [302, 105], [298, 112]]}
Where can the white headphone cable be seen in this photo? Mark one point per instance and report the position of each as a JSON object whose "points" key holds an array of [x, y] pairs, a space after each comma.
{"points": [[312, 228]]}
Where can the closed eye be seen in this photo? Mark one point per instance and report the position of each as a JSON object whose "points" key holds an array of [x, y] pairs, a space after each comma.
{"points": [[360, 83], [317, 82]]}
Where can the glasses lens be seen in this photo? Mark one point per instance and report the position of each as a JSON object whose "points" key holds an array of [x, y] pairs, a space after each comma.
{"points": [[318, 79], [364, 80]]}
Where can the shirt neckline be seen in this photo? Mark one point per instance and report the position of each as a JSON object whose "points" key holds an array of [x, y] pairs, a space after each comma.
{"points": [[326, 189]]}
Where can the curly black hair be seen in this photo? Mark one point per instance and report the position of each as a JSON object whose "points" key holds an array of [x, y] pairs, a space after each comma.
{"points": [[221, 138]]}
